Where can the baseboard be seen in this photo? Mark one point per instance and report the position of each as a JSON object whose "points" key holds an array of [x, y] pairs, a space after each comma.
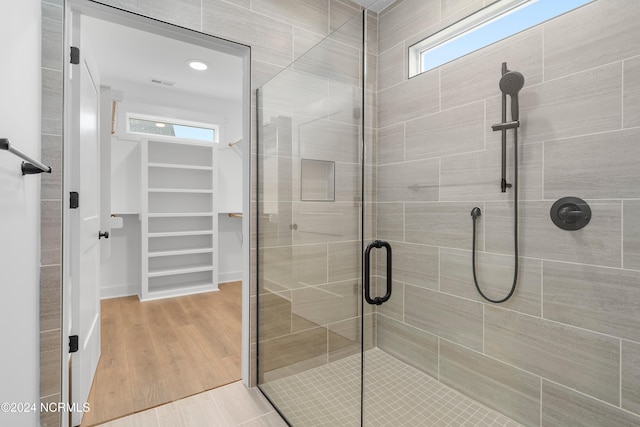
{"points": [[119, 291], [233, 276]]}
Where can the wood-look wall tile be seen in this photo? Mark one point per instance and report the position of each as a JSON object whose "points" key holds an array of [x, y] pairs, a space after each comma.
{"points": [[185, 13], [602, 166], [511, 391], [344, 261], [578, 104], [449, 317], [412, 263], [51, 184], [275, 314], [410, 99], [51, 102], [390, 224], [340, 12], [403, 19], [476, 76], [345, 338], [599, 243], [495, 277], [296, 353], [597, 34], [394, 307], [586, 361], [312, 15], [631, 95], [325, 304], [562, 406], [631, 234], [391, 144], [416, 181], [52, 418], [271, 40], [293, 267], [326, 140], [51, 232], [50, 298], [50, 360], [631, 376], [446, 224], [410, 345], [274, 224], [322, 222], [450, 7], [391, 67], [598, 299], [476, 176], [331, 60], [455, 131], [303, 41], [52, 28]]}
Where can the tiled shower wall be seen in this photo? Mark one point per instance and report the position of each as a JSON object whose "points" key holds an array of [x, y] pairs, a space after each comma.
{"points": [[565, 350], [278, 31]]}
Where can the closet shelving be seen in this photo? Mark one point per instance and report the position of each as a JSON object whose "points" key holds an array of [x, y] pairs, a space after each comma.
{"points": [[179, 217]]}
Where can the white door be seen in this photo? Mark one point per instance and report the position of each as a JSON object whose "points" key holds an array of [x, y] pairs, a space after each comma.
{"points": [[85, 223]]}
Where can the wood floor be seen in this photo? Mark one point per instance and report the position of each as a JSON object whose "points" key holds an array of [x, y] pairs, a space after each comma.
{"points": [[160, 351]]}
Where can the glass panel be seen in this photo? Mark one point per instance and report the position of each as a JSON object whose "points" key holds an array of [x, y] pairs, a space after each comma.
{"points": [[309, 305]]}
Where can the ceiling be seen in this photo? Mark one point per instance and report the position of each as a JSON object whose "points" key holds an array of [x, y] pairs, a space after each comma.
{"points": [[375, 5], [126, 54]]}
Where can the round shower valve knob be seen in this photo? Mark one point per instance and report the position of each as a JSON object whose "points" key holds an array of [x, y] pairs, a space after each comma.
{"points": [[570, 213]]}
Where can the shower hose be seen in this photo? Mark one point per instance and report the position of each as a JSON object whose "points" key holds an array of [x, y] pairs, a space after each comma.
{"points": [[475, 213]]}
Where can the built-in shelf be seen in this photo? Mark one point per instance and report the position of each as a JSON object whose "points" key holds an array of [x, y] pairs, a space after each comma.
{"points": [[181, 252], [179, 218], [173, 272], [178, 166], [178, 214], [180, 233], [179, 190]]}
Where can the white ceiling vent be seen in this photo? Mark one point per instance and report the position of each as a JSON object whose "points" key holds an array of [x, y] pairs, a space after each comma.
{"points": [[163, 82]]}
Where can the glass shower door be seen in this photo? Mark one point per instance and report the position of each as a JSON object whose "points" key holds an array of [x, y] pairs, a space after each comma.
{"points": [[310, 228]]}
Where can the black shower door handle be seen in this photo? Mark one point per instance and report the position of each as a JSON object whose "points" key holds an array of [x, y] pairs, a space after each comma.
{"points": [[376, 244]]}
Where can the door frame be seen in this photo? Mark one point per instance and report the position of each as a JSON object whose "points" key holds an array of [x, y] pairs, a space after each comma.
{"points": [[108, 13]]}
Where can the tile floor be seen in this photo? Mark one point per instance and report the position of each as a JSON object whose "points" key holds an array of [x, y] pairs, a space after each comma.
{"points": [[397, 395], [230, 405]]}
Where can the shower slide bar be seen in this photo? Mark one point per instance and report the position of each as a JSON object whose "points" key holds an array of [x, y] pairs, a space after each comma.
{"points": [[31, 166]]}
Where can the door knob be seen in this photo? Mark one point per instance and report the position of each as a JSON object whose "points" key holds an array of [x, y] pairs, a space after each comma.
{"points": [[102, 234]]}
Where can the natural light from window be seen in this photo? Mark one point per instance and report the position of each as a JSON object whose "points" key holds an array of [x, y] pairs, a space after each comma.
{"points": [[149, 125], [489, 25]]}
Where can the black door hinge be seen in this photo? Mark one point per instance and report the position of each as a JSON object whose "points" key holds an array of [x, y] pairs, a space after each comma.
{"points": [[73, 343], [74, 200], [75, 55]]}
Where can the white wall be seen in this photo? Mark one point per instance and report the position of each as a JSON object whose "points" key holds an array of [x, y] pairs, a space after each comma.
{"points": [[19, 209]]}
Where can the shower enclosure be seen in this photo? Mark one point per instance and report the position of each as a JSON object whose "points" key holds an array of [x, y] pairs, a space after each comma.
{"points": [[367, 176]]}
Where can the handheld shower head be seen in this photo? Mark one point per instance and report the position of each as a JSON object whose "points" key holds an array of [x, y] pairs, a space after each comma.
{"points": [[510, 84]]}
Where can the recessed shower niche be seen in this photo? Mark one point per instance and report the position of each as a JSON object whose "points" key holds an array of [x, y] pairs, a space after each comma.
{"points": [[317, 180]]}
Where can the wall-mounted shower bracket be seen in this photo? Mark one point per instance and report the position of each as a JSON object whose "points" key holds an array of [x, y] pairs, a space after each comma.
{"points": [[504, 126]]}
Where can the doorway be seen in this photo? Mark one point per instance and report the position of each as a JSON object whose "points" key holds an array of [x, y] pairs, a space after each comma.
{"points": [[139, 66]]}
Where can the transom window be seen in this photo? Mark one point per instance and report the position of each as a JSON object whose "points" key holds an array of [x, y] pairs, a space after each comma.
{"points": [[489, 25], [151, 125]]}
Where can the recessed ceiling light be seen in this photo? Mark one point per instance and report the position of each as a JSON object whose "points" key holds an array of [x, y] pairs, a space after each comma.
{"points": [[160, 125], [198, 65]]}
